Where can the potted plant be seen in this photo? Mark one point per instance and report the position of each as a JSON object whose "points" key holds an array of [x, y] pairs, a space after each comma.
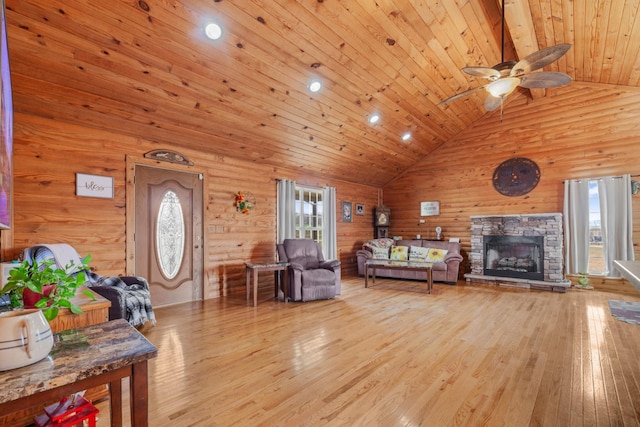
{"points": [[54, 286], [583, 281]]}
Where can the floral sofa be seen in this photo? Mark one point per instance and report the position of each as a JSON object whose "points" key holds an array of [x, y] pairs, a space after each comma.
{"points": [[445, 256]]}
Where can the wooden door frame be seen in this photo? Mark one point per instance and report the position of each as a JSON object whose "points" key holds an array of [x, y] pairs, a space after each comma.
{"points": [[130, 205]]}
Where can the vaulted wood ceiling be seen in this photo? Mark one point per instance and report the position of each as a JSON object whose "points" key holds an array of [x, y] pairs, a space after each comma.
{"points": [[144, 68]]}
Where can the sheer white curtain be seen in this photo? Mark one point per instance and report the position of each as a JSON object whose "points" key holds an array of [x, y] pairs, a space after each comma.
{"points": [[616, 220], [576, 225], [286, 213], [329, 232]]}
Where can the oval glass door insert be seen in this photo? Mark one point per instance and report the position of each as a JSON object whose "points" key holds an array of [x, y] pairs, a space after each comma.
{"points": [[170, 237]]}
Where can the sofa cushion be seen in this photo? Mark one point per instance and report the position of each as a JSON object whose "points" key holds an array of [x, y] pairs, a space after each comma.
{"points": [[418, 253], [399, 253], [436, 255], [380, 253]]}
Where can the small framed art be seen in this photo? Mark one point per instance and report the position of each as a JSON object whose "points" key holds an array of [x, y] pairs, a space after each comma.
{"points": [[429, 208], [347, 211], [359, 209], [94, 186]]}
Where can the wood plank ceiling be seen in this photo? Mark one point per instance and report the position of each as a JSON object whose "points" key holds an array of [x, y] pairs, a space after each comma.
{"points": [[144, 68]]}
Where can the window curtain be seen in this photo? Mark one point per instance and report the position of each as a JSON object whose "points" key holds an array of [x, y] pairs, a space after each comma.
{"points": [[576, 226], [616, 220], [286, 210], [329, 232]]}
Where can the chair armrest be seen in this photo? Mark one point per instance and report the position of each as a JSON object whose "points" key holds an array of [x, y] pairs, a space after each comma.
{"points": [[452, 257], [330, 264], [295, 266], [133, 280], [364, 253]]}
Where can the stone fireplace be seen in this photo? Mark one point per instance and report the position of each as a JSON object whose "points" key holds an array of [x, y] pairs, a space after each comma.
{"points": [[518, 251]]}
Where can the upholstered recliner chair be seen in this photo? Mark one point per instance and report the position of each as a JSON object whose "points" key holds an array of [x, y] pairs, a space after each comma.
{"points": [[311, 277], [129, 295]]}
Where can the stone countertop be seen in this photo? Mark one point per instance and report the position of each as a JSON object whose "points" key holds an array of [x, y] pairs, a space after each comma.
{"points": [[630, 270], [76, 355]]}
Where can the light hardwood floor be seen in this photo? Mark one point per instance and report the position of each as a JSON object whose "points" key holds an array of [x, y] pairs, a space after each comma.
{"points": [[392, 355]]}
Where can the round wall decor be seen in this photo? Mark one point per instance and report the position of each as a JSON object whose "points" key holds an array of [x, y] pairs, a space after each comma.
{"points": [[516, 176]]}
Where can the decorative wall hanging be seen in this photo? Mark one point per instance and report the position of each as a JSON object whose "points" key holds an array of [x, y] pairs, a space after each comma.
{"points": [[347, 208], [429, 208], [359, 209], [245, 201], [94, 186], [516, 177], [168, 156]]}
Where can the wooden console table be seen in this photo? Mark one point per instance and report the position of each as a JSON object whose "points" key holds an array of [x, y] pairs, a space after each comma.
{"points": [[83, 358], [276, 267]]}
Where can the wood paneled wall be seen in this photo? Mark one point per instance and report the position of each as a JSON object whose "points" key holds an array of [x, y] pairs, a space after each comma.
{"points": [[48, 153], [581, 131], [578, 131]]}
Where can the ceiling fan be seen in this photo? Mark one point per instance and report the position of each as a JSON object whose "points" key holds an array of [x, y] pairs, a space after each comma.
{"points": [[505, 77]]}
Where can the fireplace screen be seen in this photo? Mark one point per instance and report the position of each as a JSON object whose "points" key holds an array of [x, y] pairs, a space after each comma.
{"points": [[514, 256]]}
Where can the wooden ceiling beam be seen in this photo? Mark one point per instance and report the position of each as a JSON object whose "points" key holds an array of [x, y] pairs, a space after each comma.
{"points": [[519, 24]]}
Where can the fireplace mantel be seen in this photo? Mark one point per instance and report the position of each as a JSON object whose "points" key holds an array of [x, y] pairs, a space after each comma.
{"points": [[547, 225]]}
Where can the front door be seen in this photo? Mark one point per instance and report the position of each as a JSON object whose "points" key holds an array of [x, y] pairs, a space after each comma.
{"points": [[168, 233]]}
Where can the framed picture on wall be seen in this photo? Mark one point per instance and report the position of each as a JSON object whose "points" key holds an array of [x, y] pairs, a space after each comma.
{"points": [[429, 208], [347, 211], [6, 129], [359, 209]]}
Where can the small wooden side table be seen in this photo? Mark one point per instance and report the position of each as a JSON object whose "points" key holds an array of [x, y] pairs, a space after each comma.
{"points": [[256, 268]]}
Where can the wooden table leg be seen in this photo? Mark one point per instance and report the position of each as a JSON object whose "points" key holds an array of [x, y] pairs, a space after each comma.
{"points": [[115, 402], [366, 275], [430, 279], [248, 281], [138, 394], [285, 286], [255, 288]]}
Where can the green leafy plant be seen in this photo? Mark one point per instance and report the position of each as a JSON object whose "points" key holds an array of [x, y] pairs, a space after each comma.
{"points": [[35, 276], [583, 279]]}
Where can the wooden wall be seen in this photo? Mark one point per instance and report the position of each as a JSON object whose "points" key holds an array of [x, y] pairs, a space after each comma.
{"points": [[581, 131], [48, 153]]}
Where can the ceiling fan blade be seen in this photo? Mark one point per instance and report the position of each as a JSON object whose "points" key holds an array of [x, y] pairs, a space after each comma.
{"points": [[484, 72], [539, 59], [462, 94], [544, 79], [492, 102]]}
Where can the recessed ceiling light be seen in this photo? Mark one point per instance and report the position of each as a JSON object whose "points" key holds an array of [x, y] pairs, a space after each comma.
{"points": [[406, 136], [315, 86], [213, 31], [374, 119]]}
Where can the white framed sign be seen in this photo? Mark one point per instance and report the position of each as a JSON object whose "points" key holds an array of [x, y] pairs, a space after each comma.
{"points": [[429, 208], [94, 186]]}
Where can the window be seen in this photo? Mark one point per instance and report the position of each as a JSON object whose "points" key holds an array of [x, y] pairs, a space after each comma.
{"points": [[309, 214], [596, 249]]}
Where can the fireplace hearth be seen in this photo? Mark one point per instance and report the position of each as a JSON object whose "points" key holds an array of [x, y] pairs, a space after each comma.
{"points": [[523, 251]]}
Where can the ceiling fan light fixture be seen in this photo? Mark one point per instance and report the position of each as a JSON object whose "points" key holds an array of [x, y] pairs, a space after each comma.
{"points": [[503, 87]]}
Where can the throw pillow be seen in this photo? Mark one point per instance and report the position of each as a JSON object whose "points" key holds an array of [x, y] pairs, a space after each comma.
{"points": [[418, 253], [436, 255], [380, 253], [399, 253]]}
